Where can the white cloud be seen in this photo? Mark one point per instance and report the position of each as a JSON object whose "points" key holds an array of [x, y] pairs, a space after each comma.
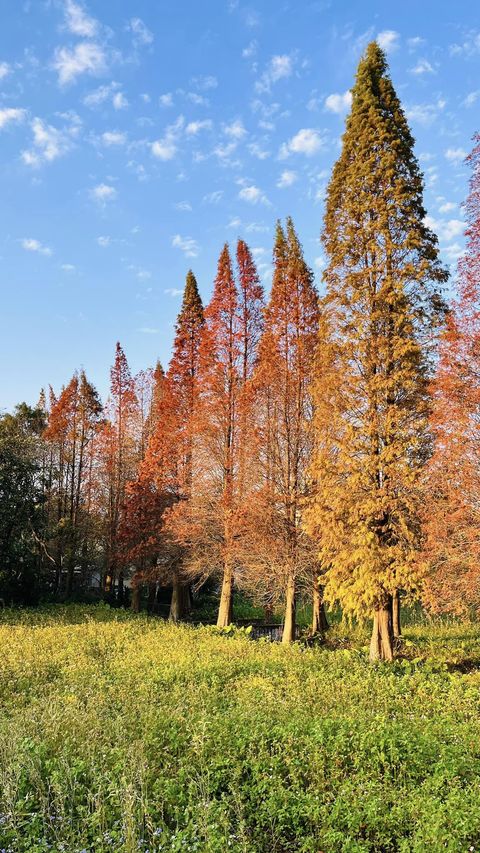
{"points": [[213, 197], [141, 33], [448, 206], [445, 229], [257, 151], [453, 252], [49, 143], [166, 147], [77, 20], [166, 100], [32, 245], [415, 42], [250, 50], [469, 47], [184, 206], [68, 267], [119, 101], [423, 66], [103, 193], [455, 155], [104, 242], [100, 95], [286, 179], [471, 98], [306, 141], [195, 127], [198, 100], [187, 245], [11, 114], [253, 195], [339, 103], [425, 114], [388, 40], [85, 58], [235, 130], [141, 273], [114, 137], [173, 291], [4, 69], [206, 82], [148, 330], [223, 152], [279, 67]]}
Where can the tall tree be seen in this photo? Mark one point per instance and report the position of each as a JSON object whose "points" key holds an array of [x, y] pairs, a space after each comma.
{"points": [[283, 410], [169, 459], [452, 482], [120, 458], [371, 393]]}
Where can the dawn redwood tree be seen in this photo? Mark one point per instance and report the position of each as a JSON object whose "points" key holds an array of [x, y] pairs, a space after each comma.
{"points": [[226, 359], [283, 411], [169, 459], [251, 306], [452, 482], [218, 414], [120, 457], [371, 392]]}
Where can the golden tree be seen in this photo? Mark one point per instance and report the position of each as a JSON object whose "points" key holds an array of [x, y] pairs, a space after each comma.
{"points": [[371, 393]]}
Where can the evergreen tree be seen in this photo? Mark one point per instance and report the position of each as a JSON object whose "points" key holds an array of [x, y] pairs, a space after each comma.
{"points": [[371, 394]]}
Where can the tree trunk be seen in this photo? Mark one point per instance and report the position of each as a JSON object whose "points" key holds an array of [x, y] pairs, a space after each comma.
{"points": [[152, 594], [319, 617], [135, 599], [225, 610], [288, 635], [179, 604], [381, 644], [397, 627]]}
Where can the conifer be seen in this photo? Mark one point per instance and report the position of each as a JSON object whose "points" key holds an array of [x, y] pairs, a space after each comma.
{"points": [[381, 310]]}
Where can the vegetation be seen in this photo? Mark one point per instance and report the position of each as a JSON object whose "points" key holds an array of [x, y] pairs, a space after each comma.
{"points": [[121, 732]]}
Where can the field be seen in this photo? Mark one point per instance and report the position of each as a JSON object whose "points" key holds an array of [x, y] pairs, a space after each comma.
{"points": [[124, 733]]}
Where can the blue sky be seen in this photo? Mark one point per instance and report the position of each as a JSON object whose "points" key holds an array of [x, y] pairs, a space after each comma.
{"points": [[137, 136]]}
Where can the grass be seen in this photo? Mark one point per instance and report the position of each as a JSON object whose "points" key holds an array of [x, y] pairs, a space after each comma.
{"points": [[124, 733]]}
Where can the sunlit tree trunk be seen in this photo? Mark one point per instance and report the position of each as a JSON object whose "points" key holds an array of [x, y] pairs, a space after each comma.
{"points": [[288, 634], [381, 643]]}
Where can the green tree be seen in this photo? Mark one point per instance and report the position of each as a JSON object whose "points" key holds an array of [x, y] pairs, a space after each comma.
{"points": [[21, 514], [374, 358]]}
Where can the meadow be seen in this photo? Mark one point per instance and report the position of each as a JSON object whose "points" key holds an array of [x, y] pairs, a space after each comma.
{"points": [[120, 732]]}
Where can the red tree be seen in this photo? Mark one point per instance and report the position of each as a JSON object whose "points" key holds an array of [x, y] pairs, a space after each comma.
{"points": [[452, 483]]}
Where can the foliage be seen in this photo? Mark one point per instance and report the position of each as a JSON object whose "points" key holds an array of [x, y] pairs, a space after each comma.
{"points": [[373, 359], [452, 479], [124, 733], [21, 498]]}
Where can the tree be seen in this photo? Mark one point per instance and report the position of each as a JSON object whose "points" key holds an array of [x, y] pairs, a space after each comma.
{"points": [[120, 458], [283, 410], [169, 459], [21, 498], [73, 421], [452, 480], [373, 363]]}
